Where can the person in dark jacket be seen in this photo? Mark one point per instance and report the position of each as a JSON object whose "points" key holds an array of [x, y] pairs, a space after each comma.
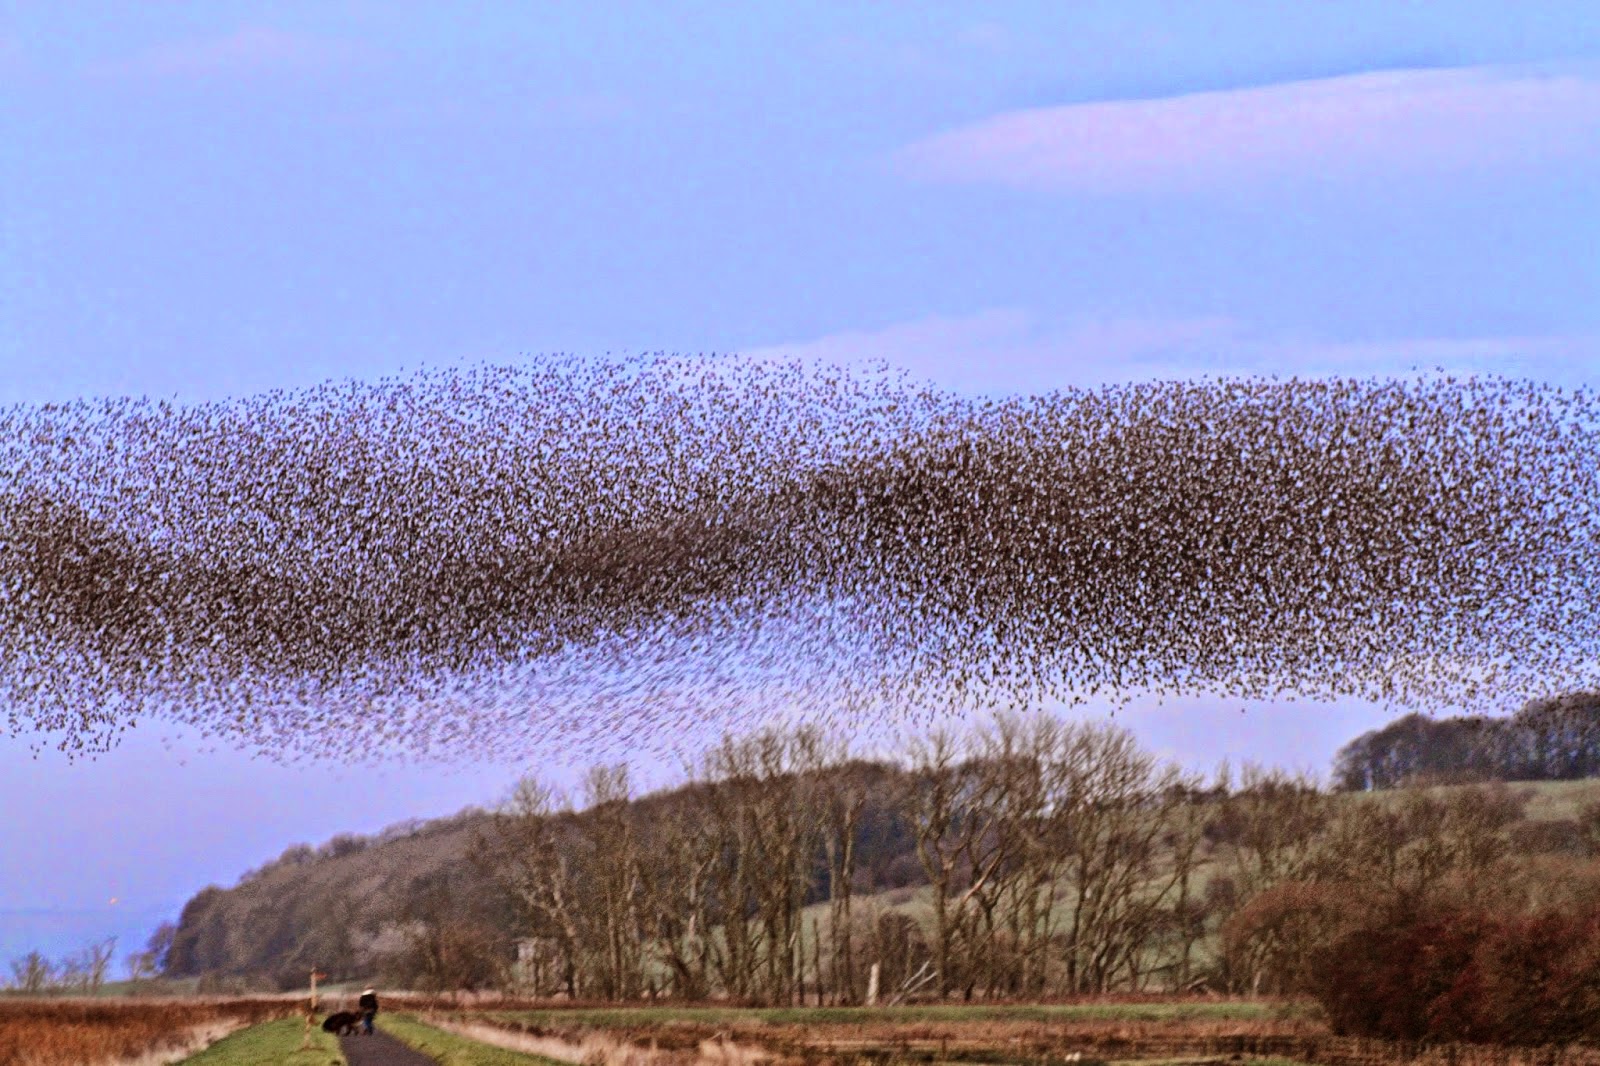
{"points": [[369, 1009]]}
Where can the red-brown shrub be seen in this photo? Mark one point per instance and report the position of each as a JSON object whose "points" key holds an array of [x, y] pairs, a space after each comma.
{"points": [[1386, 978], [1457, 975], [1531, 980]]}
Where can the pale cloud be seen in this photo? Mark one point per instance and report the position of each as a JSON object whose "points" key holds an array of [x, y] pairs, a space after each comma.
{"points": [[1007, 350], [249, 51], [1379, 125]]}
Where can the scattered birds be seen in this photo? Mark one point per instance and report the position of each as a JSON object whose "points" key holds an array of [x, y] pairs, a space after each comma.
{"points": [[605, 554]]}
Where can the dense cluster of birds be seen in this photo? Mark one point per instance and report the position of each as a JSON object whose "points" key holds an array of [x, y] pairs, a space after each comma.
{"points": [[602, 554]]}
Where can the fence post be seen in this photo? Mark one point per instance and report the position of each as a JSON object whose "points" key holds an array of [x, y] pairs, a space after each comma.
{"points": [[311, 1011]]}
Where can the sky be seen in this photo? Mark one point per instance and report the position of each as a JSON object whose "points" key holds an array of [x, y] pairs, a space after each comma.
{"points": [[208, 200]]}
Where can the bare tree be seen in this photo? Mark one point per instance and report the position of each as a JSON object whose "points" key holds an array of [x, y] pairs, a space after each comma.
{"points": [[611, 882], [678, 877], [1112, 807], [32, 973], [1272, 828], [843, 808], [141, 966], [1415, 845], [933, 802], [1273, 822], [533, 863], [1013, 870], [96, 960], [450, 944], [1185, 841], [762, 796]]}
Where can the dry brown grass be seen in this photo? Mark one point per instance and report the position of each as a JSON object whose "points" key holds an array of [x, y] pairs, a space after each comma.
{"points": [[90, 1032], [593, 1048], [898, 1042]]}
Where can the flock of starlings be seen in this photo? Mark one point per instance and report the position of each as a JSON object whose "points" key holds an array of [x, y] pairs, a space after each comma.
{"points": [[604, 553]]}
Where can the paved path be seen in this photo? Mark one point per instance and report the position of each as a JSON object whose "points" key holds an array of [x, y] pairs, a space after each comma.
{"points": [[381, 1049]]}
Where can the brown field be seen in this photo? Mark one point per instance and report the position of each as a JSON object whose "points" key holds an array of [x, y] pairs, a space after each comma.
{"points": [[1190, 1033], [86, 1032], [83, 1032]]}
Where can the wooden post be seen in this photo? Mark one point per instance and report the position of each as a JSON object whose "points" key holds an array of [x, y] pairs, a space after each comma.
{"points": [[872, 986], [311, 1012], [816, 962]]}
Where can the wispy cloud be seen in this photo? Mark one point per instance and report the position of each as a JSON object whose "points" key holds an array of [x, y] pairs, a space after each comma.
{"points": [[1374, 125], [248, 51], [1001, 351]]}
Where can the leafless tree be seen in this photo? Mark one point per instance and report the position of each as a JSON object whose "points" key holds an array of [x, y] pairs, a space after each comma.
{"points": [[934, 803], [843, 806], [141, 967], [1112, 806], [535, 866], [96, 960], [762, 795], [611, 882], [449, 944], [678, 874], [32, 973]]}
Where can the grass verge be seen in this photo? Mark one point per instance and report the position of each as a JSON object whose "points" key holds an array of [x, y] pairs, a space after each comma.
{"points": [[624, 1017], [271, 1044], [452, 1050]]}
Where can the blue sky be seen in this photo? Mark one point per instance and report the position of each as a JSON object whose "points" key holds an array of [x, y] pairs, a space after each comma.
{"points": [[213, 199]]}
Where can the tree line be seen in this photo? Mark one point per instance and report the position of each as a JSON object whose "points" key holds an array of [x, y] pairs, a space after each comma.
{"points": [[1056, 859], [1555, 739], [1053, 858], [82, 971], [1026, 857]]}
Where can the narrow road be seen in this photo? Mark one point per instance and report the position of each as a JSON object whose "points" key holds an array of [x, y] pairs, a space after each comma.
{"points": [[381, 1049]]}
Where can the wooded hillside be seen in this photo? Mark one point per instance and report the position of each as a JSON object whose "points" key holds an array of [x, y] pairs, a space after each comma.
{"points": [[1027, 858], [350, 905], [1547, 740]]}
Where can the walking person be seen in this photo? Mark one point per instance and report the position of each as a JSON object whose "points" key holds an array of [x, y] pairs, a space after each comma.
{"points": [[369, 1009]]}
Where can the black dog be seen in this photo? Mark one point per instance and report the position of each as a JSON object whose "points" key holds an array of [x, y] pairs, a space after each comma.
{"points": [[344, 1022]]}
